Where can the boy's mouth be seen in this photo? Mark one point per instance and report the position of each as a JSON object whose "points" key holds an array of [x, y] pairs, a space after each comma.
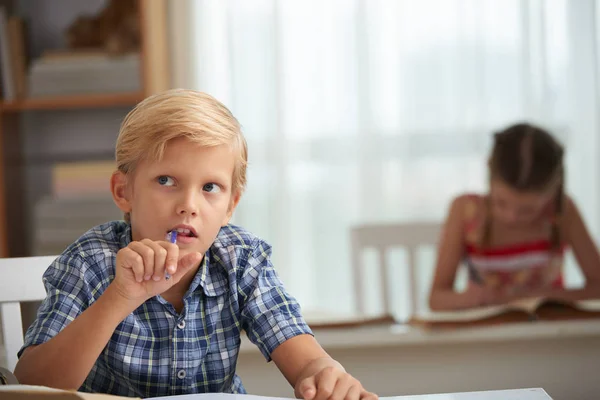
{"points": [[184, 231]]}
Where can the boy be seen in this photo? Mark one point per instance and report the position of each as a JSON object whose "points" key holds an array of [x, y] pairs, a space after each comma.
{"points": [[129, 313]]}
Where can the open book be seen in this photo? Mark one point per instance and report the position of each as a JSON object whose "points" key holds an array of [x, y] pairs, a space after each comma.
{"points": [[326, 320], [533, 309]]}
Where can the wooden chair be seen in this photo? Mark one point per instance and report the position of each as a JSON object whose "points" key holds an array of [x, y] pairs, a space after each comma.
{"points": [[20, 281], [383, 237]]}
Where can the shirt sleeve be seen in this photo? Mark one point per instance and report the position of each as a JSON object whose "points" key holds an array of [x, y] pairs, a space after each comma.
{"points": [[270, 315], [68, 294]]}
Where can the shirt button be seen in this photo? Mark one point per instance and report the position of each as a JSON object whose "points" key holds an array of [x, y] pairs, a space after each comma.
{"points": [[181, 374], [181, 324]]}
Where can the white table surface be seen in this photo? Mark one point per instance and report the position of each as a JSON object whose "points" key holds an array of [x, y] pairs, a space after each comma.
{"points": [[518, 394]]}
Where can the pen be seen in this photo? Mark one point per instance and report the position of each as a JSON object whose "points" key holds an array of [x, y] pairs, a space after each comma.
{"points": [[474, 275], [171, 237]]}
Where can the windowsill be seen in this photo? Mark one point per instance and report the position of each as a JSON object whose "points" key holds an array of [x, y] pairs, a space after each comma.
{"points": [[404, 335]]}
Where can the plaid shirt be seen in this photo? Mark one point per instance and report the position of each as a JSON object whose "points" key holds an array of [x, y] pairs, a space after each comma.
{"points": [[155, 351]]}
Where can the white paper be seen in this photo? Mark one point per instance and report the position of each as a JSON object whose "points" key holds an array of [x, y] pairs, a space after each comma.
{"points": [[519, 394]]}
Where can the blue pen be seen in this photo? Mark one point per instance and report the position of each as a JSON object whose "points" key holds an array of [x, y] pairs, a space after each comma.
{"points": [[171, 237], [474, 275]]}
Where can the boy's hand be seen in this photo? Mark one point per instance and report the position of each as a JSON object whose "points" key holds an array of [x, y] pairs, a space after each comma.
{"points": [[142, 266], [334, 384]]}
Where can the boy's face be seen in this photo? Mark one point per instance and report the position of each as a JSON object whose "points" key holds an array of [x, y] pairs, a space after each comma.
{"points": [[190, 190]]}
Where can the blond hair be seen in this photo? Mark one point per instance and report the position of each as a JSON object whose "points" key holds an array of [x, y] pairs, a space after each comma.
{"points": [[177, 113]]}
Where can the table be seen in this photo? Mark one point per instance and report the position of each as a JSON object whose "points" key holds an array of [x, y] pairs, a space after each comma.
{"points": [[557, 356], [517, 394]]}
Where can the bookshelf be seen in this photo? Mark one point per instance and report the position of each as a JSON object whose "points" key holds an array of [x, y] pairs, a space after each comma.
{"points": [[71, 102], [153, 74]]}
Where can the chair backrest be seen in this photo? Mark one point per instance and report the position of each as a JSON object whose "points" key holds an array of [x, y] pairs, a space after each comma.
{"points": [[383, 237], [20, 281]]}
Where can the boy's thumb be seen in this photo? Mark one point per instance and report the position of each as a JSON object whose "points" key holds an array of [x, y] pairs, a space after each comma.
{"points": [[188, 261]]}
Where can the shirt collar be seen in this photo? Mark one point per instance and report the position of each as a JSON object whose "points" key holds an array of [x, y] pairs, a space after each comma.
{"points": [[211, 276]]}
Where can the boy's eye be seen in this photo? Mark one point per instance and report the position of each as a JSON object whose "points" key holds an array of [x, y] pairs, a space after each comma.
{"points": [[211, 187], [165, 180]]}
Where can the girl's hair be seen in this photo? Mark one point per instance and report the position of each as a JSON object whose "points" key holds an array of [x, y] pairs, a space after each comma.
{"points": [[528, 159]]}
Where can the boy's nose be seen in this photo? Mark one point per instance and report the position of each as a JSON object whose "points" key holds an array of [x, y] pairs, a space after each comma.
{"points": [[188, 205]]}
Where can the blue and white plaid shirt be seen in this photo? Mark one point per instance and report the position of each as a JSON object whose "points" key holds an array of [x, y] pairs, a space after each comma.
{"points": [[155, 351]]}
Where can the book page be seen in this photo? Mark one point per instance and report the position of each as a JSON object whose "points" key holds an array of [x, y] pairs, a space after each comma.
{"points": [[529, 305], [588, 305], [221, 396], [463, 315], [319, 319], [533, 304]]}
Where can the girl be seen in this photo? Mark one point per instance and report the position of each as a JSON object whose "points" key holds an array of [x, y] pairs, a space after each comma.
{"points": [[513, 239]]}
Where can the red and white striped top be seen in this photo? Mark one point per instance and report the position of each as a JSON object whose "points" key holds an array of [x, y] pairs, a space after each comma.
{"points": [[516, 268]]}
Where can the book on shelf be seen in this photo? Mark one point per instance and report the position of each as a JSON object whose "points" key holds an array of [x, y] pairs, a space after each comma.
{"points": [[18, 56], [6, 74], [80, 56], [77, 179], [13, 57], [531, 309], [58, 222], [62, 72]]}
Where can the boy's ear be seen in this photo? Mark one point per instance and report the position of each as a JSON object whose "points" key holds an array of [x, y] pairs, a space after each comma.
{"points": [[235, 199], [120, 192]]}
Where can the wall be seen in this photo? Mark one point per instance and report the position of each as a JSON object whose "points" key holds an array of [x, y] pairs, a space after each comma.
{"points": [[561, 366]]}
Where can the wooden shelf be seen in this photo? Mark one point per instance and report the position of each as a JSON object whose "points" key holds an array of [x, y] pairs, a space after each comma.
{"points": [[17, 157], [75, 101]]}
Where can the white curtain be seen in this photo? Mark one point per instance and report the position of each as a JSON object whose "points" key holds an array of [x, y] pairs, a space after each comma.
{"points": [[363, 111]]}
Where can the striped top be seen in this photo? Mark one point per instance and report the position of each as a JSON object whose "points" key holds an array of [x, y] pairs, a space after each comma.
{"points": [[513, 269]]}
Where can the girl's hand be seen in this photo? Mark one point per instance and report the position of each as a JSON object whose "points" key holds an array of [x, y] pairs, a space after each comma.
{"points": [[478, 295]]}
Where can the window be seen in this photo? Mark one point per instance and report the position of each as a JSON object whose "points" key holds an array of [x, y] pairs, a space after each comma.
{"points": [[362, 111]]}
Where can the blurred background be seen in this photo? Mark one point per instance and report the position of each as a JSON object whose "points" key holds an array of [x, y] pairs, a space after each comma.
{"points": [[356, 112]]}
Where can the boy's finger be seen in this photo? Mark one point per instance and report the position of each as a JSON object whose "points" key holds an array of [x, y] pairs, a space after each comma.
{"points": [[342, 388], [172, 256], [160, 254], [308, 388], [354, 393], [133, 261], [147, 255], [325, 385], [368, 395]]}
